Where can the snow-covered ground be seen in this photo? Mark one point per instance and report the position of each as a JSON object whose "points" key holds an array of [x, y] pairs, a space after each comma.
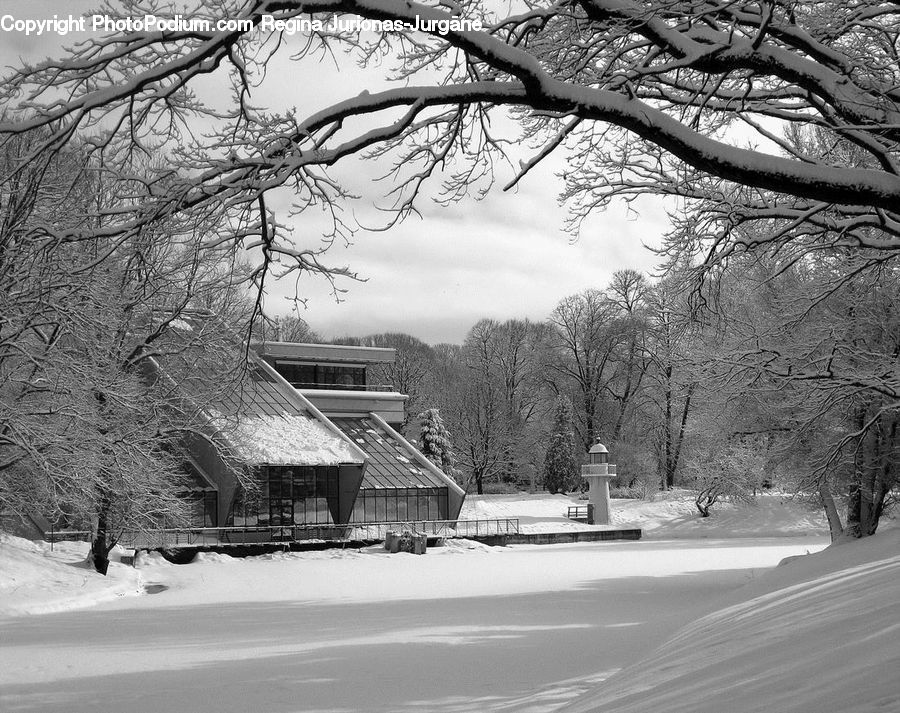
{"points": [[466, 627], [665, 516], [37, 578], [818, 635]]}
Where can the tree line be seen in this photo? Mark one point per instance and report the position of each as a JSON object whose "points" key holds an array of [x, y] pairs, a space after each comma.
{"points": [[783, 376], [129, 190]]}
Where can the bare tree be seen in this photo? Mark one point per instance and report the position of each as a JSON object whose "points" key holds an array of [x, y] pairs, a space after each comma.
{"points": [[641, 97], [408, 373], [628, 291], [728, 470], [676, 353], [645, 97], [584, 349], [87, 432], [810, 354], [292, 328]]}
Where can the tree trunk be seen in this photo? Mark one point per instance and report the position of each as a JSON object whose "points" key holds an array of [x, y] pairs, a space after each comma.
{"points": [[703, 502], [102, 544], [866, 490], [676, 454], [668, 470], [836, 529], [588, 422]]}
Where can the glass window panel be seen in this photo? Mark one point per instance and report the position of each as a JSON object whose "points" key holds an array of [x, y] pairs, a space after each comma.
{"points": [[301, 516], [322, 514], [433, 509], [358, 514], [391, 506], [304, 483], [306, 373], [248, 512]]}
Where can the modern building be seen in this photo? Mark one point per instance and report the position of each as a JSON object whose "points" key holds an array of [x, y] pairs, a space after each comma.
{"points": [[399, 484], [301, 437], [308, 440]]}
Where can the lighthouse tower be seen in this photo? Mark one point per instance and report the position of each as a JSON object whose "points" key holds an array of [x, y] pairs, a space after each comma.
{"points": [[598, 471]]}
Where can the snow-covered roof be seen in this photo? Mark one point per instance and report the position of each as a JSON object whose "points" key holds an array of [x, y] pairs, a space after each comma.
{"points": [[284, 439], [260, 416]]}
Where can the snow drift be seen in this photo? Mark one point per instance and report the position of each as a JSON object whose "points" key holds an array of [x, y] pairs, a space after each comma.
{"points": [[818, 634]]}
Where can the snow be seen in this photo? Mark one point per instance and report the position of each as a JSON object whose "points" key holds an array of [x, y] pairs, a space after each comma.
{"points": [[666, 516], [455, 630], [288, 439], [693, 623], [818, 635], [35, 579]]}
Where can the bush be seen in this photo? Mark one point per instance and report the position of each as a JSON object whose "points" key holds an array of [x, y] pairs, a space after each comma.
{"points": [[733, 471]]}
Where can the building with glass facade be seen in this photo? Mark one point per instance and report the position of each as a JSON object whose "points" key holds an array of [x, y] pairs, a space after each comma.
{"points": [[399, 484], [308, 441]]}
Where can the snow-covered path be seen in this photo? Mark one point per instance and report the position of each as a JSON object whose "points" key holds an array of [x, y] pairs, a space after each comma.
{"points": [[522, 628]]}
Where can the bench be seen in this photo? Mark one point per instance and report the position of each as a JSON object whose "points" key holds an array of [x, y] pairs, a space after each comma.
{"points": [[580, 512]]}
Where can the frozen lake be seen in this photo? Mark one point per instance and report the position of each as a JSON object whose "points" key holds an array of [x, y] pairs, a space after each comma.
{"points": [[511, 629]]}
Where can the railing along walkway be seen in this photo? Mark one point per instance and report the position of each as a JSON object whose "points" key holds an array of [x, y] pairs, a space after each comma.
{"points": [[438, 528], [354, 531]]}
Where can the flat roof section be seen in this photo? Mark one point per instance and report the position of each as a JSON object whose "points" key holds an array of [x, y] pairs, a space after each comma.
{"points": [[391, 465], [325, 353]]}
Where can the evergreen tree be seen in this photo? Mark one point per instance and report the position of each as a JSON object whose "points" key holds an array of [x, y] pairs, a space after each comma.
{"points": [[435, 441], [561, 471]]}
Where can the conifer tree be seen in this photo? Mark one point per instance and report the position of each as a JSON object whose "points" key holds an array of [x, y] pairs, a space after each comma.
{"points": [[435, 441], [560, 464]]}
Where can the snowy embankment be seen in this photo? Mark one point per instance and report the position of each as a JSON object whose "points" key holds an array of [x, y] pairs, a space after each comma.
{"points": [[666, 516], [35, 578], [465, 628], [38, 579], [818, 634], [687, 620]]}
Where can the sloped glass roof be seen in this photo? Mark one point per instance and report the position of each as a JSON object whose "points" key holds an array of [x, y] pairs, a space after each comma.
{"points": [[391, 464], [258, 395]]}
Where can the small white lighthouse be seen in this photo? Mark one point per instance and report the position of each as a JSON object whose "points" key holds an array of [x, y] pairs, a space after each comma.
{"points": [[598, 471]]}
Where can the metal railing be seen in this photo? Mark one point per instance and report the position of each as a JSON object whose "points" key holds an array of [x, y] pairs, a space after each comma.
{"points": [[272, 534], [267, 534], [311, 386], [52, 535], [598, 469], [438, 528]]}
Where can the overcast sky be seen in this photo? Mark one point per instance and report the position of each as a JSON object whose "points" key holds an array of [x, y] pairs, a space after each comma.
{"points": [[434, 277]]}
